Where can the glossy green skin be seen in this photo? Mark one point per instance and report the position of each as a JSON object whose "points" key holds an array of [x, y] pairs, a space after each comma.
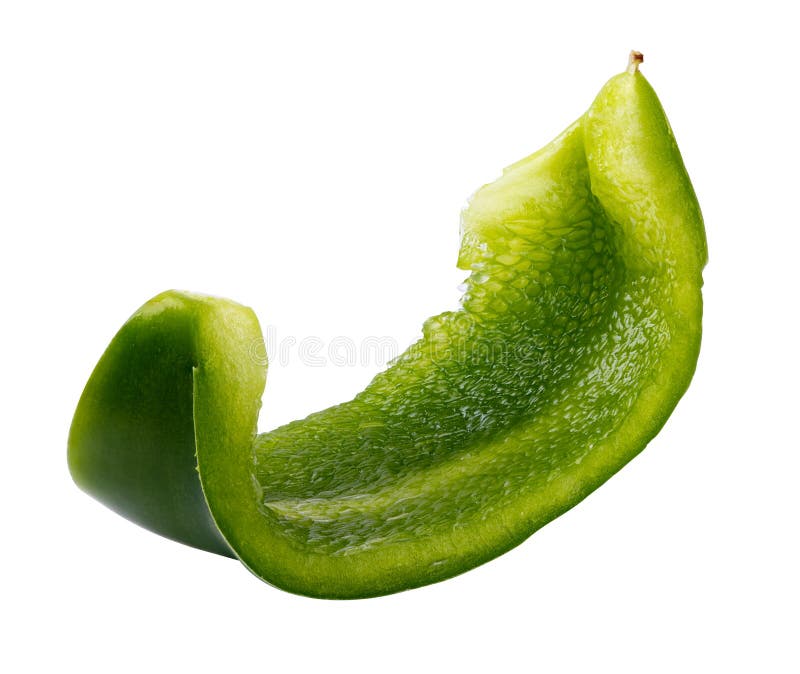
{"points": [[132, 441], [578, 333]]}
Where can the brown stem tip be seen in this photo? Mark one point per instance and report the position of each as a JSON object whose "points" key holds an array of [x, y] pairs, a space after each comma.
{"points": [[635, 58]]}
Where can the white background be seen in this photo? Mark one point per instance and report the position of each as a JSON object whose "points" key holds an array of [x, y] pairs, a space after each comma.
{"points": [[310, 160]]}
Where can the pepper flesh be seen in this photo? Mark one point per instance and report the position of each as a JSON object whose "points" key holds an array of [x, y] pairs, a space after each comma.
{"points": [[578, 333]]}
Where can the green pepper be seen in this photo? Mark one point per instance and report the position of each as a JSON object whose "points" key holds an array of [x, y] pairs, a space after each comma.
{"points": [[579, 331]]}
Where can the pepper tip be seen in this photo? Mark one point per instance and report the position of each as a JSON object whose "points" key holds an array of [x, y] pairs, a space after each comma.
{"points": [[634, 59]]}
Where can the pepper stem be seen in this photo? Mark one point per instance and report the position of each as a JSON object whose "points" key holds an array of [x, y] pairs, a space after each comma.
{"points": [[635, 58]]}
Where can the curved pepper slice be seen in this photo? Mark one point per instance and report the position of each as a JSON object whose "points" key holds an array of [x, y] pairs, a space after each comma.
{"points": [[578, 333]]}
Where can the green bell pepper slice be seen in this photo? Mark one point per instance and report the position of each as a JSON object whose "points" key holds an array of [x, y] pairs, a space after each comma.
{"points": [[578, 333]]}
